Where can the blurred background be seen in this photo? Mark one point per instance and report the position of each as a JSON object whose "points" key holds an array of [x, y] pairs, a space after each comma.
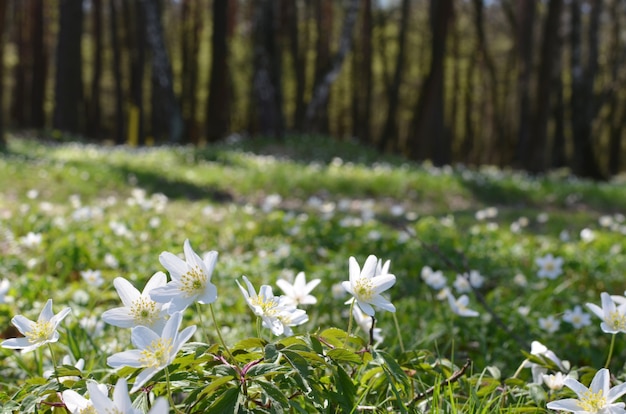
{"points": [[531, 84]]}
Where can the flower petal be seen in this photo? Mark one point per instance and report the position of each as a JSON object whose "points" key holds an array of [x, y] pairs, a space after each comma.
{"points": [[100, 400], [568, 404], [22, 323], [157, 280], [600, 382], [354, 270], [575, 386], [616, 392], [142, 336], [143, 377], [383, 282], [182, 338], [174, 264], [126, 291], [19, 343], [369, 268], [46, 313], [56, 319], [209, 295], [366, 308], [121, 399], [119, 317], [383, 303], [128, 358]]}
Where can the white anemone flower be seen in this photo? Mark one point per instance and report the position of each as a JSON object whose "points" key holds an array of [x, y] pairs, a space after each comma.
{"points": [[613, 316], [291, 316], [538, 371], [298, 293], [4, 289], [121, 403], [154, 352], [139, 308], [598, 398], [459, 306], [577, 317], [36, 333], [92, 277], [366, 286], [555, 381], [77, 404], [549, 266], [191, 280], [264, 305]]}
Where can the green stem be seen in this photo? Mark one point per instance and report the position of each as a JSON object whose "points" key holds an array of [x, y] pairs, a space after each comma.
{"points": [[219, 333], [202, 324], [608, 359], [395, 321], [345, 344], [54, 363], [258, 326], [170, 397]]}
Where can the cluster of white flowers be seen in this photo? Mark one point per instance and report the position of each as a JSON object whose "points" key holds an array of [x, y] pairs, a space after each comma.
{"points": [[463, 283]]}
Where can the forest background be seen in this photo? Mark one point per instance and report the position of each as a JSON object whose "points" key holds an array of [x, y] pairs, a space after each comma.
{"points": [[530, 84]]}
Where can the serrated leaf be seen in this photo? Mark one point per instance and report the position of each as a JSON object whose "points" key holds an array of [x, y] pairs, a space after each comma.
{"points": [[265, 369], [250, 344], [68, 371], [333, 336], [344, 355], [274, 393], [394, 368], [215, 384], [225, 403], [271, 353]]}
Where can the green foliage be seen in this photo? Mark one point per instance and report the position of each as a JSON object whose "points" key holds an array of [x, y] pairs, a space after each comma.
{"points": [[307, 210]]}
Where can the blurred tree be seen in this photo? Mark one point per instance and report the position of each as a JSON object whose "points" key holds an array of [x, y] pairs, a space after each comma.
{"points": [[3, 19], [164, 104], [39, 69], [135, 41], [298, 47], [218, 105], [191, 20], [429, 138], [390, 133], [118, 135], [93, 105], [617, 113], [362, 76], [524, 45], [68, 89], [583, 104]]}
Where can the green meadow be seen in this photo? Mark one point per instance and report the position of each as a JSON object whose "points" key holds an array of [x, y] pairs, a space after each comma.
{"points": [[272, 209]]}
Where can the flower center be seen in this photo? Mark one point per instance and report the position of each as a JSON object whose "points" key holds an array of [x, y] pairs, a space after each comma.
{"points": [[268, 306], [364, 288], [156, 354], [40, 331], [549, 266], [194, 281], [591, 401], [616, 321], [88, 410], [144, 311]]}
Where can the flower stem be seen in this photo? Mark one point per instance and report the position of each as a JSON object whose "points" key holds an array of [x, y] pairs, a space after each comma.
{"points": [[345, 344], [395, 321], [54, 363], [170, 397], [608, 359], [219, 333]]}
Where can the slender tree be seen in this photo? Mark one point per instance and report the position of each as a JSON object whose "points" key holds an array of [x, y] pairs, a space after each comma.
{"points": [[298, 46], [135, 41], [429, 138], [94, 107], [362, 76], [218, 105], [117, 72], [68, 90], [192, 14], [3, 12], [39, 68]]}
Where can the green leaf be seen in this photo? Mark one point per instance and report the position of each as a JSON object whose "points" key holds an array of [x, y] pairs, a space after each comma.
{"points": [[225, 403], [274, 393], [333, 336], [271, 353], [249, 344], [215, 384], [344, 355], [394, 368], [265, 369]]}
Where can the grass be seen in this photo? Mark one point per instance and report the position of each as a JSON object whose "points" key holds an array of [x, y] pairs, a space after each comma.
{"points": [[272, 209]]}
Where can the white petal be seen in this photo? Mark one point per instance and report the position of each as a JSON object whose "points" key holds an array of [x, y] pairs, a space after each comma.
{"points": [[192, 258], [354, 269], [596, 310], [179, 304], [46, 313], [209, 295], [161, 406], [157, 280], [182, 338], [121, 399], [383, 282], [22, 324], [366, 308], [382, 303], [347, 286], [174, 264], [210, 259], [125, 359], [369, 268], [126, 291], [568, 404], [19, 343], [142, 336], [575, 386], [142, 378], [119, 317], [56, 319], [74, 401], [286, 287], [608, 306], [600, 382], [172, 325], [100, 400], [616, 392], [312, 285]]}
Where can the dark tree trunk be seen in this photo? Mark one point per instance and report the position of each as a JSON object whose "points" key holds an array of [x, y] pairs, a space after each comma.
{"points": [[536, 161], [558, 113], [524, 45], [134, 23], [39, 70], [430, 139], [362, 77], [266, 84], [390, 129], [298, 59], [583, 102], [68, 90], [190, 44], [616, 117], [321, 90], [162, 74], [218, 106], [118, 136], [23, 65], [94, 108], [3, 13], [467, 147]]}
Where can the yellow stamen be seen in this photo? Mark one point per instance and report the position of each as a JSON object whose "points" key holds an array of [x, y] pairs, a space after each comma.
{"points": [[144, 311], [194, 281], [157, 353], [591, 401], [40, 331]]}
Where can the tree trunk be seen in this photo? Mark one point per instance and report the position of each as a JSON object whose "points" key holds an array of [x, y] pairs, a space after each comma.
{"points": [[362, 77], [39, 69], [524, 46], [162, 73], [118, 136], [430, 139], [321, 90], [390, 129], [20, 92], [298, 59], [583, 101], [69, 81], [135, 33], [536, 161], [266, 84], [94, 107], [190, 43], [218, 106], [3, 12]]}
